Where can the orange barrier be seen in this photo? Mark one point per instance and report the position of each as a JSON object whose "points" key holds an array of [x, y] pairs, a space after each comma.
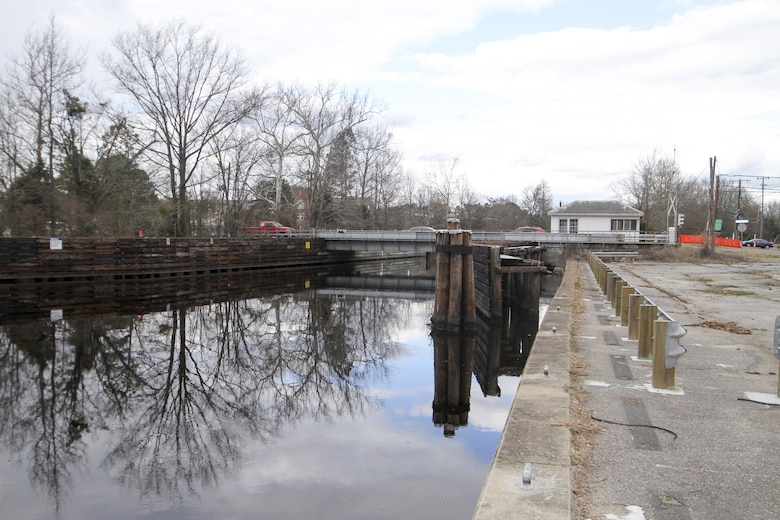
{"points": [[719, 241]]}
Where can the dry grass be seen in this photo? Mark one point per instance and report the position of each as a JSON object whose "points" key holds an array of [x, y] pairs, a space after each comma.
{"points": [[728, 327], [583, 429], [694, 254]]}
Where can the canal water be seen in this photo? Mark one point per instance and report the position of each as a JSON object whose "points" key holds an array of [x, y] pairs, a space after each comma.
{"points": [[272, 396]]}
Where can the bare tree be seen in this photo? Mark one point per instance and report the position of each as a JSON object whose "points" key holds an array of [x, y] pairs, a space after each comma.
{"points": [[380, 175], [440, 180], [34, 92], [537, 201], [239, 157], [649, 188], [328, 118], [280, 134], [188, 89]]}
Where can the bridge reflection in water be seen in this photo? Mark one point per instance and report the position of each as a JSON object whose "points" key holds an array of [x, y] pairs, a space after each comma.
{"points": [[161, 389]]}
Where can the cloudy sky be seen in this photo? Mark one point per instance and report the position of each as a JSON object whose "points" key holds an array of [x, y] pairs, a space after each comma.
{"points": [[574, 92]]}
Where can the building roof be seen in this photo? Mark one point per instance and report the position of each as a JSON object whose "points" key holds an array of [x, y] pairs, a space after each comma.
{"points": [[597, 207]]}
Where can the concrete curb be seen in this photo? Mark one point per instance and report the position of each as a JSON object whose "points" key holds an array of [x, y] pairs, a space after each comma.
{"points": [[536, 435]]}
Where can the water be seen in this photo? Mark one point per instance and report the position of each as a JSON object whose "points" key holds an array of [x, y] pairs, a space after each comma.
{"points": [[310, 403]]}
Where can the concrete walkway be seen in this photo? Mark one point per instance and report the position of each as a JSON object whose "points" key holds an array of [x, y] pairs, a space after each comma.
{"points": [[707, 449]]}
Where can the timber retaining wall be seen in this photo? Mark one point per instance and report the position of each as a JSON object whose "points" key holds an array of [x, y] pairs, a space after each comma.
{"points": [[43, 259]]}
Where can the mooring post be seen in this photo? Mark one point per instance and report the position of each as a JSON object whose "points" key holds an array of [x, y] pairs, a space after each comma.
{"points": [[455, 307], [647, 315]]}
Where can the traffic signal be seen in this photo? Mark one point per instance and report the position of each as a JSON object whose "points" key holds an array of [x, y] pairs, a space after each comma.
{"points": [[680, 219]]}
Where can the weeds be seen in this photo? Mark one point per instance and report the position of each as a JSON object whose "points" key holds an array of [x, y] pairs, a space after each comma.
{"points": [[582, 428]]}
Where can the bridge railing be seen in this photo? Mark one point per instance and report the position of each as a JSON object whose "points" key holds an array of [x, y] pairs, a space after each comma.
{"points": [[593, 237], [423, 237]]}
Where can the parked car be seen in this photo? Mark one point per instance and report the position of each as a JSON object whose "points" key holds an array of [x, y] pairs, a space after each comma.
{"points": [[757, 242], [528, 229], [422, 228], [269, 228]]}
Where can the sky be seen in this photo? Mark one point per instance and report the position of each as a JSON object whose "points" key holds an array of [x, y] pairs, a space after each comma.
{"points": [[572, 92]]}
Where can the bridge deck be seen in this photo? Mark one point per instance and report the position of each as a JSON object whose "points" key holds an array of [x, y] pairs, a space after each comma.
{"points": [[424, 241]]}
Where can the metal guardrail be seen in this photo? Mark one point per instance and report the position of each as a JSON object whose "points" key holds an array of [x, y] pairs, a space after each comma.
{"points": [[658, 335], [628, 254]]}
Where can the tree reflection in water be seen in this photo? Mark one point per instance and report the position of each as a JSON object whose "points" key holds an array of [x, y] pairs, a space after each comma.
{"points": [[184, 391]]}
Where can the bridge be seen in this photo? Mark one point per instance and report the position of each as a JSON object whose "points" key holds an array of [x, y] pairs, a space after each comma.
{"points": [[386, 286], [425, 241]]}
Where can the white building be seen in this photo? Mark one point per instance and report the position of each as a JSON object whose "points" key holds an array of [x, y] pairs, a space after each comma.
{"points": [[595, 216]]}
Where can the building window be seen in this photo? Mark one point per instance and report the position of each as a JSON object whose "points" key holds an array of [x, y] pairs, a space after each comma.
{"points": [[573, 225], [623, 224], [563, 225]]}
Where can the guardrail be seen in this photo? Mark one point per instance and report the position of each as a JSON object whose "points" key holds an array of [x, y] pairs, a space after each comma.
{"points": [[658, 334]]}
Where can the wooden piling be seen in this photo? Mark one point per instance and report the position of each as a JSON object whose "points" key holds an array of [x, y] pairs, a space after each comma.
{"points": [[647, 316], [455, 302], [440, 304], [627, 291], [634, 302], [469, 290], [617, 299], [455, 306], [663, 378], [496, 279]]}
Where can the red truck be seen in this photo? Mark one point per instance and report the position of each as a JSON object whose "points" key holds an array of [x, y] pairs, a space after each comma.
{"points": [[269, 228]]}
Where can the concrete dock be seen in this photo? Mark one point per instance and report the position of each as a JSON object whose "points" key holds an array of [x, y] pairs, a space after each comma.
{"points": [[706, 448]]}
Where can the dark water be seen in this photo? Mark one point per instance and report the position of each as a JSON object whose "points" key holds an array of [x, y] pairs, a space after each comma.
{"points": [[278, 397]]}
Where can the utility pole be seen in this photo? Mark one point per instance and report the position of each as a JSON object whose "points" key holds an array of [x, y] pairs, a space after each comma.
{"points": [[710, 242], [761, 216]]}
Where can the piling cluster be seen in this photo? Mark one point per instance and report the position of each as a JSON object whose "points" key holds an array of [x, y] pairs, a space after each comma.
{"points": [[454, 306]]}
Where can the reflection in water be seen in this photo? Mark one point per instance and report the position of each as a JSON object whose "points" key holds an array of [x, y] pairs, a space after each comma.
{"points": [[453, 357], [499, 347], [179, 393]]}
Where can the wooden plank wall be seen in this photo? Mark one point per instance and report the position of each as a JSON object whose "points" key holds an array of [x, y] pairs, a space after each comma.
{"points": [[486, 279], [34, 260]]}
